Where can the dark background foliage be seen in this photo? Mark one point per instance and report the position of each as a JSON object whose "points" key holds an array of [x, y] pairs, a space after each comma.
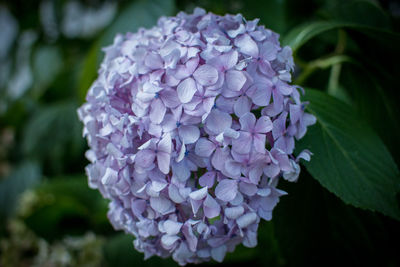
{"points": [[344, 210]]}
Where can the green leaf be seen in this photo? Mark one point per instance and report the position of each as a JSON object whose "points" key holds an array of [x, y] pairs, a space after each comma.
{"points": [[364, 12], [303, 33], [349, 159], [24, 176], [53, 134], [66, 205], [311, 222]]}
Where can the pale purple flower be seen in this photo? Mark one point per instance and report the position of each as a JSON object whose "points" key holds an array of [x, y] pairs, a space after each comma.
{"points": [[191, 124]]}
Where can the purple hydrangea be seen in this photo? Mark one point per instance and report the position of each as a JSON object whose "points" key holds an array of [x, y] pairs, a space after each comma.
{"points": [[190, 125]]}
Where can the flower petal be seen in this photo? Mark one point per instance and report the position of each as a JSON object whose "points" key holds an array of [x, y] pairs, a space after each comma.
{"points": [[242, 145], [157, 111], [217, 121], [144, 158], [199, 194], [204, 147], [259, 143], [218, 254], [207, 179], [174, 194], [186, 89], [247, 122], [235, 80], [163, 160], [211, 207], [162, 205], [242, 106], [172, 227], [247, 45], [165, 144], [206, 75], [170, 98], [234, 212], [246, 219], [189, 133], [263, 125], [168, 241], [226, 190]]}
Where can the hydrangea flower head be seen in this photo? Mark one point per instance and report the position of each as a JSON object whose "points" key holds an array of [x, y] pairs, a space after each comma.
{"points": [[190, 125]]}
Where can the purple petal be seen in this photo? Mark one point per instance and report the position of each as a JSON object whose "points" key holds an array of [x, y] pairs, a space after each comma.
{"points": [[180, 170], [255, 174], [186, 89], [248, 189], [226, 190], [153, 61], [196, 204], [190, 237], [268, 51], [219, 158], [279, 125], [218, 254], [208, 103], [145, 158], [263, 125], [225, 61], [246, 219], [168, 241], [163, 160], [189, 133], [211, 207], [235, 80], [260, 95], [204, 147], [199, 194], [174, 194], [295, 113], [157, 111], [170, 98], [242, 106], [162, 205], [138, 206], [284, 88], [242, 145], [172, 227], [165, 144], [278, 101], [207, 179], [232, 169], [259, 143], [110, 177], [234, 212], [206, 75], [247, 122], [217, 121], [247, 45], [271, 170]]}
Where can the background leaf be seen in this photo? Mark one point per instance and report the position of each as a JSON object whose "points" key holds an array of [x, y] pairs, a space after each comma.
{"points": [[349, 158], [23, 176]]}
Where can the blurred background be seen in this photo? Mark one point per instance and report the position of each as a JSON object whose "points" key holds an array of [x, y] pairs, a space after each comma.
{"points": [[49, 55]]}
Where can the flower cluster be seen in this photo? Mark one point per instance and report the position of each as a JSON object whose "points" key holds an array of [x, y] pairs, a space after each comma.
{"points": [[190, 125]]}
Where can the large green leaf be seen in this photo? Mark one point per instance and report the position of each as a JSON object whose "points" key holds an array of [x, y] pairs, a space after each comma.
{"points": [[349, 159], [311, 222], [303, 33]]}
